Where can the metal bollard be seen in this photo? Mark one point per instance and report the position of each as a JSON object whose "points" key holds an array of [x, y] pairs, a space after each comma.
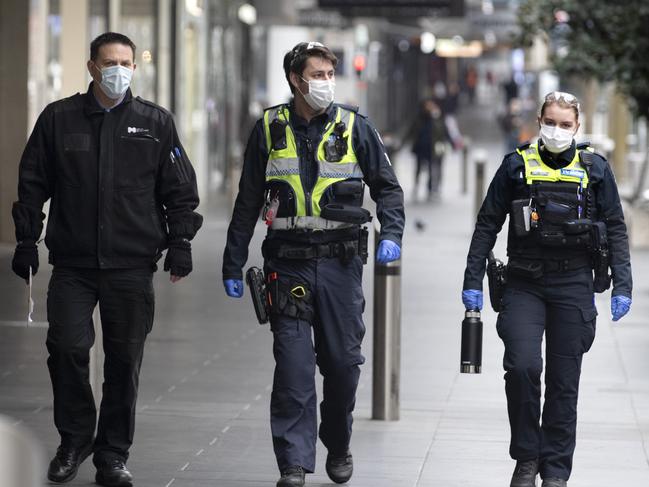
{"points": [[465, 166], [479, 184], [386, 368], [22, 463]]}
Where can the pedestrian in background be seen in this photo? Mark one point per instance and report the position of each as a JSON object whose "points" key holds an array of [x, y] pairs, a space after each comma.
{"points": [[306, 165], [122, 190], [430, 136], [564, 214]]}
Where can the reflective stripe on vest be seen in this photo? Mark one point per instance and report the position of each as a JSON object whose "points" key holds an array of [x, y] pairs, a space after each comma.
{"points": [[284, 164], [536, 170]]}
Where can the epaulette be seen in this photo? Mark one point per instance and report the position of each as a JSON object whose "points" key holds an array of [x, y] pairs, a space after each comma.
{"points": [[524, 146], [351, 108], [583, 145], [152, 105], [275, 106]]}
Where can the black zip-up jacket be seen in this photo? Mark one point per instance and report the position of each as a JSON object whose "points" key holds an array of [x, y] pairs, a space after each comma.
{"points": [[378, 174], [117, 195], [509, 184]]}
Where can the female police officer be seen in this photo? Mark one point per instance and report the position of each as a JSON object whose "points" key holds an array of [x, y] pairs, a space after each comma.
{"points": [[563, 205]]}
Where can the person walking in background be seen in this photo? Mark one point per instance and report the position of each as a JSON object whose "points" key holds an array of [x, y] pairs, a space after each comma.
{"points": [[430, 135], [122, 190], [564, 217], [306, 164]]}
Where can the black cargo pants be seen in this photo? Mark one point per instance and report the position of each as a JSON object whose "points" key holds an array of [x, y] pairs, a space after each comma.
{"points": [[331, 338], [126, 305], [560, 305]]}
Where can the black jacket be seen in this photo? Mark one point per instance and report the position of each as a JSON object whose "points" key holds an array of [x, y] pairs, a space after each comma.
{"points": [[117, 197], [372, 158], [509, 184]]}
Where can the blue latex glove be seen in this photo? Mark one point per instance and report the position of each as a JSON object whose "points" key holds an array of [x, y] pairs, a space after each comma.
{"points": [[388, 251], [620, 306], [233, 287], [472, 299]]}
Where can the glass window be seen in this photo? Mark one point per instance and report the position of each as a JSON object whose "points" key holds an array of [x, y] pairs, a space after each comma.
{"points": [[138, 22], [97, 19]]}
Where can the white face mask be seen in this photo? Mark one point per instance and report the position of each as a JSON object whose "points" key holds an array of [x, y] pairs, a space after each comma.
{"points": [[115, 80], [321, 93], [555, 138]]}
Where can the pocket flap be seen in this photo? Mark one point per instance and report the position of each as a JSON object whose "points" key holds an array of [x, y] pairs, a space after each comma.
{"points": [[589, 314]]}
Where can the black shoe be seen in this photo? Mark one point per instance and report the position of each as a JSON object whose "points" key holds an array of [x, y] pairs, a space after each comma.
{"points": [[340, 467], [554, 483], [525, 474], [292, 477], [113, 473], [65, 464]]}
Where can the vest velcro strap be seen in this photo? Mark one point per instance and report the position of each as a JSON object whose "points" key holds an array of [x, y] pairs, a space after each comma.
{"points": [[307, 223]]}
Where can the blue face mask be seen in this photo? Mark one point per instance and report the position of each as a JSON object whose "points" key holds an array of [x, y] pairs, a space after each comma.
{"points": [[115, 80]]}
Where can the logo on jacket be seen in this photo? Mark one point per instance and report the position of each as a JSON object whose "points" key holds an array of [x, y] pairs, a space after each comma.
{"points": [[136, 130], [574, 173]]}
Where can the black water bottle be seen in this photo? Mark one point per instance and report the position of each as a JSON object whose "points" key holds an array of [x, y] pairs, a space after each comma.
{"points": [[471, 357]]}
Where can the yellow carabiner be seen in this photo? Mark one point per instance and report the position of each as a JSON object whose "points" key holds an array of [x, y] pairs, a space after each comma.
{"points": [[298, 291]]}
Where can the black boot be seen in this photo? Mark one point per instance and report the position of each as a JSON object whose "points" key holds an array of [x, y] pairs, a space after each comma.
{"points": [[554, 482], [65, 464], [340, 467], [525, 473], [292, 477], [113, 473]]}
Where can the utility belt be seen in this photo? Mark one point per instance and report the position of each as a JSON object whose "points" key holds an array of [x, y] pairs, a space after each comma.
{"points": [[536, 268], [345, 250]]}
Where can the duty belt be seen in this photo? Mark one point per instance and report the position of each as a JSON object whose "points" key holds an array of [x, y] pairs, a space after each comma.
{"points": [[308, 223], [344, 250], [567, 264], [521, 265]]}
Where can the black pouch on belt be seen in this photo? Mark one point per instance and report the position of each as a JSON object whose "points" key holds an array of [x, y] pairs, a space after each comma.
{"points": [[345, 213], [602, 278], [290, 298]]}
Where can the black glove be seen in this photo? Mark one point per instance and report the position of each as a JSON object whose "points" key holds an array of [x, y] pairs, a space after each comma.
{"points": [[179, 258], [25, 255]]}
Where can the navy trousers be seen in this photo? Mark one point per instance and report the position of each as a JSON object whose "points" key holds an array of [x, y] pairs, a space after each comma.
{"points": [[126, 305], [560, 305], [332, 340]]}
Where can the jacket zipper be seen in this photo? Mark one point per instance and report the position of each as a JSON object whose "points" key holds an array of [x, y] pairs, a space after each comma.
{"points": [[141, 136]]}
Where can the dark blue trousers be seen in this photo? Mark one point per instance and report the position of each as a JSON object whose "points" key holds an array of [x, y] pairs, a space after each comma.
{"points": [[332, 340], [560, 305]]}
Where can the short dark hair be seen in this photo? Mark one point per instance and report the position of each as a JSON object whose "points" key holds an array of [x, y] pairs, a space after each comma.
{"points": [[295, 59], [109, 38]]}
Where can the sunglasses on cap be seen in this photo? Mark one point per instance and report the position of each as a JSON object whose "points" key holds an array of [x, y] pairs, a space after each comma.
{"points": [[562, 95]]}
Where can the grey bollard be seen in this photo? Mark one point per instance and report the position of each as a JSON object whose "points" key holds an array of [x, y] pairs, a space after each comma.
{"points": [[465, 166], [21, 457], [480, 165], [386, 368]]}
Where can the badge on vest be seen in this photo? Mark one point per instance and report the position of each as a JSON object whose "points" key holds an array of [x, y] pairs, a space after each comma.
{"points": [[574, 173], [539, 173]]}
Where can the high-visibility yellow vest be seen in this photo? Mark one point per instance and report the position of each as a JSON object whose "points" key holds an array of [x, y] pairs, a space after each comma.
{"points": [[284, 164], [536, 170]]}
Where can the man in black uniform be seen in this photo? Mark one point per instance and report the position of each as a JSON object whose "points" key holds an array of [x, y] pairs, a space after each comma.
{"points": [[306, 164], [565, 219], [122, 190]]}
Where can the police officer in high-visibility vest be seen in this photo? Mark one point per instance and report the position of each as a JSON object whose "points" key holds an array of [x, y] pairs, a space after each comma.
{"points": [[566, 230], [305, 168]]}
